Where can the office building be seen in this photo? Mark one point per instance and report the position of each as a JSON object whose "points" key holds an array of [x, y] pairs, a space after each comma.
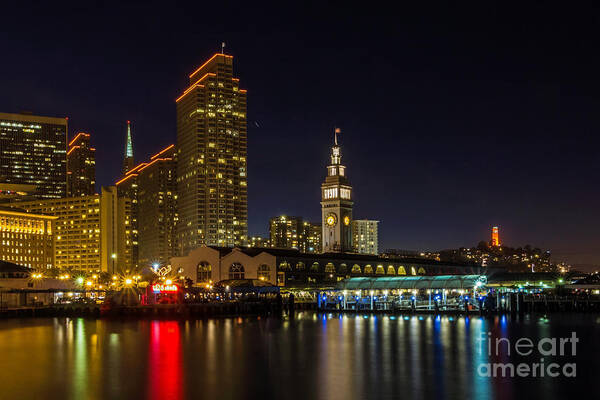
{"points": [[211, 158], [90, 232], [288, 232], [81, 166], [33, 151], [157, 204], [365, 236], [27, 238]]}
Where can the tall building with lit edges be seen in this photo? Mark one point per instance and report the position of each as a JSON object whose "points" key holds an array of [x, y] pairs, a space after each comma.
{"points": [[81, 166], [336, 205], [211, 158], [33, 151], [157, 206]]}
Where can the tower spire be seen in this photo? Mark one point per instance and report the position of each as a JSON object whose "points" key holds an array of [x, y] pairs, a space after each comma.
{"points": [[128, 160]]}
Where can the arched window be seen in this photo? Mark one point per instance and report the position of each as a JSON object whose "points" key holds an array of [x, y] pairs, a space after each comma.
{"points": [[356, 269], [284, 266], [391, 270], [264, 272], [315, 267], [368, 269], [401, 270], [203, 272], [413, 271], [300, 266], [236, 271], [343, 268], [330, 268], [380, 270], [421, 271]]}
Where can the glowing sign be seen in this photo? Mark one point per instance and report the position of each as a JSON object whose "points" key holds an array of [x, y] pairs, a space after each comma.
{"points": [[162, 288]]}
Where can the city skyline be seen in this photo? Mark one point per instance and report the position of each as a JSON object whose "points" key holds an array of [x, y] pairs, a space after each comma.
{"points": [[456, 169]]}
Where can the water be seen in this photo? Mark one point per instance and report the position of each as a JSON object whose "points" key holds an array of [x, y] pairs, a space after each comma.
{"points": [[310, 356]]}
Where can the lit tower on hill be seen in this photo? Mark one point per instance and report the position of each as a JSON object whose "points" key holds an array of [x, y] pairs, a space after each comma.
{"points": [[495, 237]]}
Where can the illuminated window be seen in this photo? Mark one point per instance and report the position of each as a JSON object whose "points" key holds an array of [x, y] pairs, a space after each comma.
{"points": [[203, 273], [264, 272], [236, 271]]}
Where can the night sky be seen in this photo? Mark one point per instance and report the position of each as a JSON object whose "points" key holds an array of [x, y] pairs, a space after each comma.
{"points": [[454, 118]]}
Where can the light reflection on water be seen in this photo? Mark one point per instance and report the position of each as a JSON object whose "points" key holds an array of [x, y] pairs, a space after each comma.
{"points": [[310, 356]]}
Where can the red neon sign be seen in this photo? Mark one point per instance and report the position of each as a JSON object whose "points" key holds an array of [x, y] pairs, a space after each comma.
{"points": [[160, 288]]}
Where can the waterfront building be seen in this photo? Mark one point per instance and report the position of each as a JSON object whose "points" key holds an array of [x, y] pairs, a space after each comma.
{"points": [[336, 205], [33, 151], [286, 267], [211, 154], [157, 204], [365, 234], [27, 238], [81, 166], [90, 232], [258, 241]]}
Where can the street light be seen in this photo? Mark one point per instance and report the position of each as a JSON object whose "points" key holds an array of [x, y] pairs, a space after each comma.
{"points": [[114, 257]]}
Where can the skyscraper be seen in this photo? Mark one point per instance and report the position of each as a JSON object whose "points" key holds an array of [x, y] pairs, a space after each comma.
{"points": [[33, 151], [128, 161], [495, 236], [336, 205], [157, 206], [365, 236], [211, 158], [81, 166]]}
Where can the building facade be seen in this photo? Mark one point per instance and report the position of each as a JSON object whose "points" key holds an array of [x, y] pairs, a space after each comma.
{"points": [[33, 151], [336, 205], [88, 230], [157, 203], [27, 239], [365, 236], [292, 268], [211, 154], [81, 166]]}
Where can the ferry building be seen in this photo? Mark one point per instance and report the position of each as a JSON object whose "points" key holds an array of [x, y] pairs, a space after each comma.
{"points": [[286, 267]]}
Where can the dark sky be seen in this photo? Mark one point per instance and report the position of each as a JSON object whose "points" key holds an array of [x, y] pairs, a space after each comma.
{"points": [[454, 117]]}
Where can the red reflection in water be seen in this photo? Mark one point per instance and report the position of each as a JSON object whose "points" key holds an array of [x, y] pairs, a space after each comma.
{"points": [[165, 370]]}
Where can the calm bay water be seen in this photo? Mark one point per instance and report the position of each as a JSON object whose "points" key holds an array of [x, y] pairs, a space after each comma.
{"points": [[310, 356]]}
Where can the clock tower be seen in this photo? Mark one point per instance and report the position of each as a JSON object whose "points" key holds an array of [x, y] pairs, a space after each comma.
{"points": [[336, 205]]}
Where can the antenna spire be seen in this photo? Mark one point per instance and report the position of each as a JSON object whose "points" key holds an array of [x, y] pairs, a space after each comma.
{"points": [[222, 47], [335, 133]]}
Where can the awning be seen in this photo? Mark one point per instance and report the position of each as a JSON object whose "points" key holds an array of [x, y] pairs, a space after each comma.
{"points": [[413, 282]]}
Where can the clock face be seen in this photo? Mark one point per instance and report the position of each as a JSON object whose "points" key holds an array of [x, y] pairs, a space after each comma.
{"points": [[346, 220], [331, 219]]}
